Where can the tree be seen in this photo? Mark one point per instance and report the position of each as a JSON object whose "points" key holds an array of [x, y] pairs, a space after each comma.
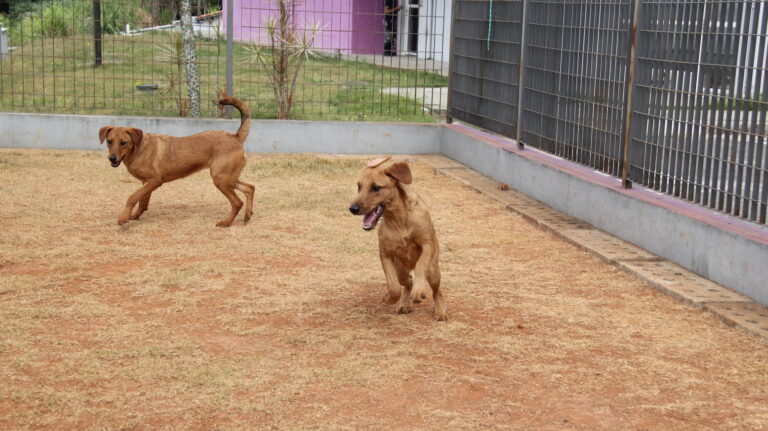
{"points": [[190, 59]]}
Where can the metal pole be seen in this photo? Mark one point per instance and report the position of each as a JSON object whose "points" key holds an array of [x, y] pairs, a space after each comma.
{"points": [[3, 41], [97, 33], [521, 77], [629, 82], [451, 46], [230, 48]]}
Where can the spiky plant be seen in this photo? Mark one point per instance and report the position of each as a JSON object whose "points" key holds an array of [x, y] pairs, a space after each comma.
{"points": [[289, 48]]}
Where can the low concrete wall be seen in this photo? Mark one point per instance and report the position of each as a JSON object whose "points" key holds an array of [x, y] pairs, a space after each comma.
{"points": [[727, 250], [266, 136]]}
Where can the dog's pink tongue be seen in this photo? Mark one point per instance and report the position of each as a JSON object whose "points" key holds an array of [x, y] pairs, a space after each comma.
{"points": [[369, 219]]}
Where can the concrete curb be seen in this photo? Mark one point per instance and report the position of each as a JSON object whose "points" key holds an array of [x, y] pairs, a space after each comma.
{"points": [[729, 306]]}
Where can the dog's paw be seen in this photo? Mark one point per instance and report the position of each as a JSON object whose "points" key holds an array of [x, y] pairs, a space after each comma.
{"points": [[223, 223], [122, 220], [389, 299], [440, 316], [418, 295], [247, 217], [403, 309]]}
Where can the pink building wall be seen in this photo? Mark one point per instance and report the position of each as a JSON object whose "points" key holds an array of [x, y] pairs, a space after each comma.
{"points": [[351, 26]]}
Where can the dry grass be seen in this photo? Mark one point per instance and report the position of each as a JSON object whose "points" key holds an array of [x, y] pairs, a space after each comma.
{"points": [[171, 323]]}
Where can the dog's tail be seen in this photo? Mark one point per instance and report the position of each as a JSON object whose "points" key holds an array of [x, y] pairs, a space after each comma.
{"points": [[245, 115]]}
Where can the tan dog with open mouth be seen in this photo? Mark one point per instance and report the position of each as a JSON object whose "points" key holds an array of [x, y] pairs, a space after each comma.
{"points": [[407, 240], [156, 159]]}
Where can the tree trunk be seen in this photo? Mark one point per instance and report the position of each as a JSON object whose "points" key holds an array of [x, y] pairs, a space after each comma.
{"points": [[155, 11], [190, 59]]}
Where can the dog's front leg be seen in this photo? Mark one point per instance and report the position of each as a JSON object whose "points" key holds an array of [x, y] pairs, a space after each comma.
{"points": [[138, 195], [419, 290], [394, 290], [143, 206]]}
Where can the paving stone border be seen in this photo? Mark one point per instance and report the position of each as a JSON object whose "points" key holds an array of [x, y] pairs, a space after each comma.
{"points": [[729, 306]]}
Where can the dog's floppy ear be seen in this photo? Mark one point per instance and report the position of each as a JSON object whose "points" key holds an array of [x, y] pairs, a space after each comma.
{"points": [[377, 162], [136, 135], [401, 172], [103, 133]]}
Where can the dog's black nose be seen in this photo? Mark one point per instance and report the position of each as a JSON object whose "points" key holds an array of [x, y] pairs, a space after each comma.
{"points": [[354, 209], [113, 159]]}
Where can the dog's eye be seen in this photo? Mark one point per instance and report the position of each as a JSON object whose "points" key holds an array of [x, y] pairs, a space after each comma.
{"points": [[122, 143], [375, 188], [109, 142]]}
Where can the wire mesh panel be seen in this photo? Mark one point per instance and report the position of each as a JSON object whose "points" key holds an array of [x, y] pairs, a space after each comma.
{"points": [[106, 57], [318, 59], [573, 101], [700, 103], [343, 59], [485, 63]]}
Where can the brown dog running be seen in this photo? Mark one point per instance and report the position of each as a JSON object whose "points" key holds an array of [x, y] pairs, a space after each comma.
{"points": [[156, 159], [407, 240]]}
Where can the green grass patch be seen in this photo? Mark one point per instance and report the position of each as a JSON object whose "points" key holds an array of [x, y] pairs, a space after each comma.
{"points": [[57, 75]]}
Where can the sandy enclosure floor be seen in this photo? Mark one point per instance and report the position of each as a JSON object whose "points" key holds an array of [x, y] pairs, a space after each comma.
{"points": [[172, 323]]}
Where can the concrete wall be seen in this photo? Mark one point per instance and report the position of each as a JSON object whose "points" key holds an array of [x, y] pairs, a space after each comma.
{"points": [[725, 249], [82, 132]]}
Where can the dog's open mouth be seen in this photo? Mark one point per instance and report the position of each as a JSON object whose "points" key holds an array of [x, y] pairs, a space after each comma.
{"points": [[115, 164], [371, 218]]}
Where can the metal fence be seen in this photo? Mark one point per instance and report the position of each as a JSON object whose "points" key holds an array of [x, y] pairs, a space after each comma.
{"points": [[682, 110], [486, 64], [126, 57]]}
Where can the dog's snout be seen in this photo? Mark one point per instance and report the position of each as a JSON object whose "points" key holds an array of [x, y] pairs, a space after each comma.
{"points": [[354, 209], [113, 158]]}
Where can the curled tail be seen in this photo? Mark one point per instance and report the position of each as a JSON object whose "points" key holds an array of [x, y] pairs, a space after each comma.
{"points": [[245, 115]]}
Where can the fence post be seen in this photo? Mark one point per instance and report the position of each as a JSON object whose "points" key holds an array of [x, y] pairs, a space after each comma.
{"points": [[629, 82], [521, 76], [3, 41], [451, 47], [97, 54], [230, 48]]}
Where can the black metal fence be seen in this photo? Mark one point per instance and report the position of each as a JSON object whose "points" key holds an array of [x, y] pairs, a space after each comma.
{"points": [[355, 62], [682, 110]]}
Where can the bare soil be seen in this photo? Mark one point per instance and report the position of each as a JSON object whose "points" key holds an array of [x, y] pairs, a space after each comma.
{"points": [[171, 323]]}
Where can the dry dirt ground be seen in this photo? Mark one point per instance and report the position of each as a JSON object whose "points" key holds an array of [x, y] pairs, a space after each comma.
{"points": [[172, 323]]}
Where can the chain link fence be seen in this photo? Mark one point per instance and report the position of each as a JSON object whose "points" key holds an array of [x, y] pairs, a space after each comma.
{"points": [[672, 95], [357, 60]]}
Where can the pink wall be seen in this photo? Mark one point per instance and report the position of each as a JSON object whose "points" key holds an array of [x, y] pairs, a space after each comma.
{"points": [[352, 26]]}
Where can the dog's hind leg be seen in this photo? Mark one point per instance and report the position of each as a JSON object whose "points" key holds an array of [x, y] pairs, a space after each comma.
{"points": [[228, 190], [433, 277], [423, 267], [249, 190]]}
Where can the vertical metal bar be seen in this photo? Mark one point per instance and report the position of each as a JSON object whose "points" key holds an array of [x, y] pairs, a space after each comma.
{"points": [[521, 75], [674, 106], [3, 41], [451, 57], [688, 30], [629, 84], [230, 50], [758, 128], [741, 75]]}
